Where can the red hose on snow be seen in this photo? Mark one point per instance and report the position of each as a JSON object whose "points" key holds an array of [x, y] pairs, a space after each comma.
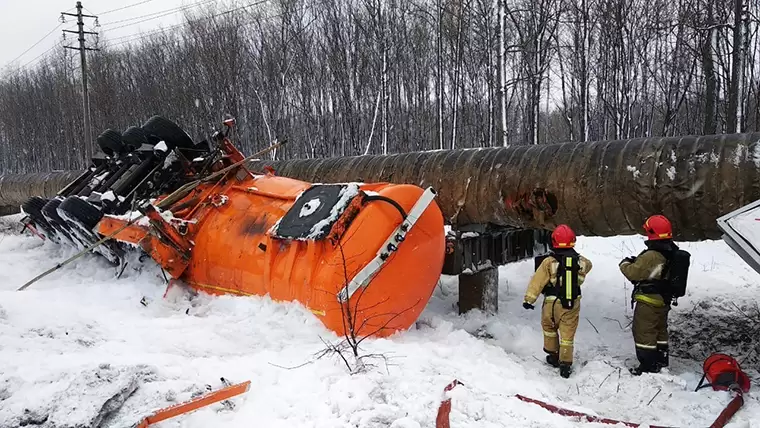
{"points": [[720, 422], [442, 420], [730, 410], [589, 418], [721, 371]]}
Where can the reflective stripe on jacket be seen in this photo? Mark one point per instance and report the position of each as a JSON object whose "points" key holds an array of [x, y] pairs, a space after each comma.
{"points": [[648, 267], [547, 274]]}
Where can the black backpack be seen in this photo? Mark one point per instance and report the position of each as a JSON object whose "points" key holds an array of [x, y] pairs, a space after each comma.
{"points": [[567, 288], [677, 273]]}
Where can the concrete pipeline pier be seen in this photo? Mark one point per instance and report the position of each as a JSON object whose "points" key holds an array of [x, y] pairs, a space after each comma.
{"points": [[600, 188]]}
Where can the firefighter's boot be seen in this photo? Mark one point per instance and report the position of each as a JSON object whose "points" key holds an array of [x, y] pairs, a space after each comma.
{"points": [[553, 359], [637, 371], [565, 370], [647, 362], [663, 356]]}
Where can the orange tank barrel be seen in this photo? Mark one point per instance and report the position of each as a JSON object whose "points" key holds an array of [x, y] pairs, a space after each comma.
{"points": [[362, 257]]}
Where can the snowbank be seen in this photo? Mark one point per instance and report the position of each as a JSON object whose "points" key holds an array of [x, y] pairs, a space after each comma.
{"points": [[81, 320]]}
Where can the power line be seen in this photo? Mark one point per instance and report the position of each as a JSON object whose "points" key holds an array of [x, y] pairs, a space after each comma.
{"points": [[88, 11], [125, 7], [57, 45], [132, 37], [38, 42], [144, 20], [142, 36], [150, 16], [135, 36]]}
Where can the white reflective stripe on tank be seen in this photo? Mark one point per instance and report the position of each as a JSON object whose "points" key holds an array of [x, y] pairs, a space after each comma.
{"points": [[364, 276]]}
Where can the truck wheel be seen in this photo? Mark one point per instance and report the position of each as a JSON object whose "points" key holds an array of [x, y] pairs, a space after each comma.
{"points": [[82, 217], [168, 131], [111, 143], [33, 207], [81, 211], [134, 137], [50, 211]]}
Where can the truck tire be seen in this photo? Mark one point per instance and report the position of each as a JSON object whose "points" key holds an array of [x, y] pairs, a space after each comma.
{"points": [[33, 207], [82, 217], [134, 137], [164, 129], [86, 214], [111, 143], [50, 211]]}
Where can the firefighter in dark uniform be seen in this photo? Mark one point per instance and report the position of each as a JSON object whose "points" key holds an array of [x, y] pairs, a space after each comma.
{"points": [[558, 278], [647, 273]]}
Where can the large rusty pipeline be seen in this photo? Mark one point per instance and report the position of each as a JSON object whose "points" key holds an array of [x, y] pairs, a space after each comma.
{"points": [[17, 188], [601, 188]]}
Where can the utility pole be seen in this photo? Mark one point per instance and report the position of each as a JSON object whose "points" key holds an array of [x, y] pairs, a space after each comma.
{"points": [[88, 148]]}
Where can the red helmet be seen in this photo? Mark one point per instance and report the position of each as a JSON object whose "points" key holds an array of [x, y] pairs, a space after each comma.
{"points": [[658, 227], [563, 237]]}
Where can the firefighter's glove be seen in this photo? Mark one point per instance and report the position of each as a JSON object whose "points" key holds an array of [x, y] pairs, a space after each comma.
{"points": [[527, 305], [627, 260]]}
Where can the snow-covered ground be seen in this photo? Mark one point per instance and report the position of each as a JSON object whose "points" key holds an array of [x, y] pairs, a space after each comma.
{"points": [[79, 336]]}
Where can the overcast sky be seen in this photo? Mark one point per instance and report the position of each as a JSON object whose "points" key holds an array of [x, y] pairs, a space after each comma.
{"points": [[27, 21]]}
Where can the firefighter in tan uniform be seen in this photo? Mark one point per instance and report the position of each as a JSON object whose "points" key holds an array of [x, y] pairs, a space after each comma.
{"points": [[651, 295], [559, 277]]}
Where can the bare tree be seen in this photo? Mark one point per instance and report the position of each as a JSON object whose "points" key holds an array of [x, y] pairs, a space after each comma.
{"points": [[502, 72], [735, 97], [347, 77]]}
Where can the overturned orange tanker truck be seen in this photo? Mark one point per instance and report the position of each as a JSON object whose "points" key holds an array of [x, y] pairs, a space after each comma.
{"points": [[362, 257]]}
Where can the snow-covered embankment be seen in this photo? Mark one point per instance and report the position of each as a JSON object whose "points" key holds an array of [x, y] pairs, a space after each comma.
{"points": [[80, 335]]}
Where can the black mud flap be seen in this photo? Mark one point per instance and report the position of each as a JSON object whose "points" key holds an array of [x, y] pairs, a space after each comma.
{"points": [[315, 212]]}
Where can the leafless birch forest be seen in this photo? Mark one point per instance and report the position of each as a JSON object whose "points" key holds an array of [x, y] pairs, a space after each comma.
{"points": [[347, 77]]}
